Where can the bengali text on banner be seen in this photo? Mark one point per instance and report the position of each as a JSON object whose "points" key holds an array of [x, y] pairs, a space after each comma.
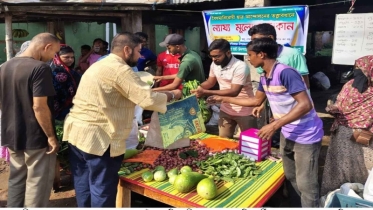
{"points": [[290, 22]]}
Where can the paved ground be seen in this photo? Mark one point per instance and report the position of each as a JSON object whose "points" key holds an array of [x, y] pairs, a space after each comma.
{"points": [[65, 197]]}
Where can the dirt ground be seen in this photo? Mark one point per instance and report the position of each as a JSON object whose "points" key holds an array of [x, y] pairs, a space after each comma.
{"points": [[65, 196]]}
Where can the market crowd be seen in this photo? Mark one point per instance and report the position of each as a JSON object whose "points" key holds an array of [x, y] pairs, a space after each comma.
{"points": [[96, 99]]}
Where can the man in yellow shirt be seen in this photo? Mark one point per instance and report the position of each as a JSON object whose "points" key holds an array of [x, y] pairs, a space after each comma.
{"points": [[101, 120]]}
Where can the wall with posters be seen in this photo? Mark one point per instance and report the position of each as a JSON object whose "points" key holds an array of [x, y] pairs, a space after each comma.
{"points": [[291, 23]]}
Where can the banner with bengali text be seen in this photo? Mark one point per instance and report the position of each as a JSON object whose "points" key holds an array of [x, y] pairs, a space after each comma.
{"points": [[290, 22]]}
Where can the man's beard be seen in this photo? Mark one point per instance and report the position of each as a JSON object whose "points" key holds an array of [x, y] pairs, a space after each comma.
{"points": [[130, 61], [224, 62]]}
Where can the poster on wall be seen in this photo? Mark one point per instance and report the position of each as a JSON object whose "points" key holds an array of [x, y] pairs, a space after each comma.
{"points": [[290, 22]]}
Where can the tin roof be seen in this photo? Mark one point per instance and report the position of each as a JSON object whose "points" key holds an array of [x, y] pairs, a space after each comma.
{"points": [[188, 1], [86, 1], [107, 1]]}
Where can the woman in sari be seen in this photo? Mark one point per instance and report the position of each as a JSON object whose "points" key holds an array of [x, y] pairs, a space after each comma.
{"points": [[348, 161], [65, 81]]}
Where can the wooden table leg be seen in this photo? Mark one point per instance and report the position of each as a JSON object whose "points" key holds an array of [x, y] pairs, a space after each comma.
{"points": [[123, 196]]}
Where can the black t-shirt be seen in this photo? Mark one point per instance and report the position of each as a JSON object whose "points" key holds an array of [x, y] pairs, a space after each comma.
{"points": [[21, 79]]}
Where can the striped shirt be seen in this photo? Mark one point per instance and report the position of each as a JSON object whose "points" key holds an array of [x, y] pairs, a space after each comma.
{"points": [[279, 87], [104, 107]]}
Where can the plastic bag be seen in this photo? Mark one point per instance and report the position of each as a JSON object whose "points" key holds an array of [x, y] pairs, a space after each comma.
{"points": [[368, 188], [133, 138], [138, 114], [172, 129], [322, 80], [214, 120]]}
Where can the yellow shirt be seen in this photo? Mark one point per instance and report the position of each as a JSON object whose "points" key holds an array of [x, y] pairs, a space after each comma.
{"points": [[104, 107]]}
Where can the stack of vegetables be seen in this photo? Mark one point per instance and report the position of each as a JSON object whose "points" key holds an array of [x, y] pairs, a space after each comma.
{"points": [[193, 85], [196, 167], [169, 158], [184, 181]]}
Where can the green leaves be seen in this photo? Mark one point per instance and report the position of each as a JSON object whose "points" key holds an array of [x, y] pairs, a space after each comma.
{"points": [[193, 85], [229, 167], [185, 155]]}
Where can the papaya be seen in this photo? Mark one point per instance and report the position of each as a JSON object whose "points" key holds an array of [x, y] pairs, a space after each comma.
{"points": [[172, 172], [186, 181], [207, 189], [185, 169]]}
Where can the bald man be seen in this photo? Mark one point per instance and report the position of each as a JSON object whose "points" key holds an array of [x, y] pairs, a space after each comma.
{"points": [[100, 120], [26, 96]]}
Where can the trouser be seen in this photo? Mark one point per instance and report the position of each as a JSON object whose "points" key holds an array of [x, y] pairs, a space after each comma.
{"points": [[31, 178], [95, 177], [301, 171], [228, 123]]}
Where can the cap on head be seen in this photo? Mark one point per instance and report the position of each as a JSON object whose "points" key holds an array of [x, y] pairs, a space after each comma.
{"points": [[172, 39]]}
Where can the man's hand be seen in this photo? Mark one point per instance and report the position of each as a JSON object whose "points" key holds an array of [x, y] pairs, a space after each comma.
{"points": [[332, 109], [158, 78], [257, 110], [214, 99], [199, 92], [177, 93], [53, 145], [267, 132]]}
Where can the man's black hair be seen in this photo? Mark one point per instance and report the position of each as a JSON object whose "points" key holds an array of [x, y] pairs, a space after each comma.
{"points": [[264, 29], [124, 39], [265, 45], [98, 39], [106, 44], [220, 44], [142, 35], [85, 47]]}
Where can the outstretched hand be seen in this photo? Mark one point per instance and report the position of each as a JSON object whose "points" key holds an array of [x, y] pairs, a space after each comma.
{"points": [[199, 92], [214, 99], [157, 78]]}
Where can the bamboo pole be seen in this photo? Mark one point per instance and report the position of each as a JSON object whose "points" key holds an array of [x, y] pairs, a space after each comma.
{"points": [[8, 36]]}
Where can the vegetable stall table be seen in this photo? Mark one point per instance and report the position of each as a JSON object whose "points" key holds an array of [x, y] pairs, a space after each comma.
{"points": [[240, 194]]}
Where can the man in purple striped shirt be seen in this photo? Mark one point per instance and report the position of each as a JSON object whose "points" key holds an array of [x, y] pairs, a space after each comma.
{"points": [[292, 107]]}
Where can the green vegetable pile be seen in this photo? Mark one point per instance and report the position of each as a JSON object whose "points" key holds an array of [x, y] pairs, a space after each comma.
{"points": [[229, 167], [62, 154], [129, 168], [193, 85]]}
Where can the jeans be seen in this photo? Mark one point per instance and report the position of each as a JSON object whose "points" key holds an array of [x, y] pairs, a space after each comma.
{"points": [[301, 171], [95, 177]]}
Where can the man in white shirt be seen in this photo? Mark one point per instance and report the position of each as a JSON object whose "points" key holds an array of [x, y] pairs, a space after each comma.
{"points": [[233, 76]]}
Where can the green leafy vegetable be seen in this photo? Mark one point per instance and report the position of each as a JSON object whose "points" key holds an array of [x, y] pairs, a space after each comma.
{"points": [[229, 167], [193, 85]]}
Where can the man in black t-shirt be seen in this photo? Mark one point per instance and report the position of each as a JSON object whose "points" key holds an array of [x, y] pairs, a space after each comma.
{"points": [[27, 128]]}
